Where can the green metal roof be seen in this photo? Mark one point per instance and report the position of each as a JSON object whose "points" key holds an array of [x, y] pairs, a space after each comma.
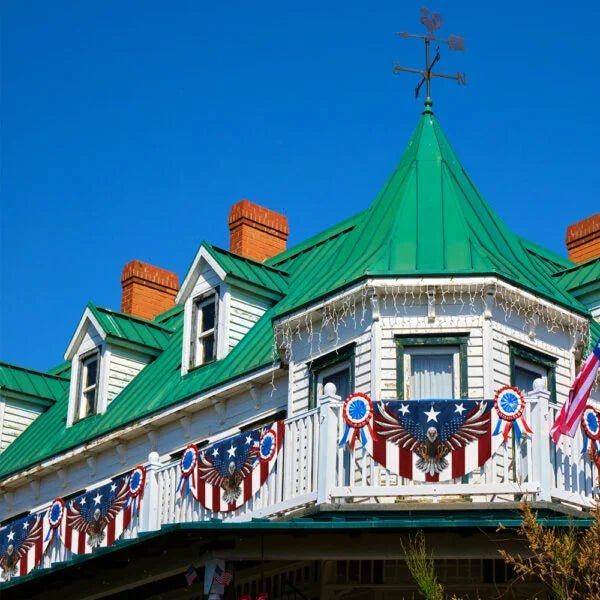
{"points": [[30, 383], [132, 329], [242, 270], [579, 277], [429, 219]]}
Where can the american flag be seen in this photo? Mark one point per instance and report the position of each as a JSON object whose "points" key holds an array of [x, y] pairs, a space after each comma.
{"points": [[569, 417], [222, 577], [191, 575]]}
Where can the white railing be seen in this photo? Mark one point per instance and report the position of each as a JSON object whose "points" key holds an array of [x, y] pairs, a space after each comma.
{"points": [[537, 467], [292, 482], [312, 468]]}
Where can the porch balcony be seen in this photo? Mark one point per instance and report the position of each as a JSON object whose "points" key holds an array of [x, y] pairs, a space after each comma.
{"points": [[314, 474]]}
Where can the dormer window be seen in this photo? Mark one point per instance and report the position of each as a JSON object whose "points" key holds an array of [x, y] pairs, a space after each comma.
{"points": [[88, 385], [204, 330]]}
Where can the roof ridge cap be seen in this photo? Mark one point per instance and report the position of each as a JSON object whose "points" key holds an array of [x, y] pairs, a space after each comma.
{"points": [[141, 320], [256, 263], [577, 266]]}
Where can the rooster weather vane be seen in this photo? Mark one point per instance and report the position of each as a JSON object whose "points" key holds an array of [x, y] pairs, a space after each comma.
{"points": [[454, 42]]}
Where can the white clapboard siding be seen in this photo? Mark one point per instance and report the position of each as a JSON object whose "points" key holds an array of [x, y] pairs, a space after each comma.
{"points": [[123, 367], [244, 311], [17, 417]]}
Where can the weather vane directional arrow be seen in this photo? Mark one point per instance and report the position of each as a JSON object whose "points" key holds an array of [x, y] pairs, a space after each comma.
{"points": [[454, 43]]}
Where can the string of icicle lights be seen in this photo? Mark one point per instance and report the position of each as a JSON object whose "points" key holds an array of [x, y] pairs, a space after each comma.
{"points": [[453, 301]]}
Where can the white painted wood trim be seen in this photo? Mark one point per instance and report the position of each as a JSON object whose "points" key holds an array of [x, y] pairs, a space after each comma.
{"points": [[433, 489], [73, 347], [190, 280]]}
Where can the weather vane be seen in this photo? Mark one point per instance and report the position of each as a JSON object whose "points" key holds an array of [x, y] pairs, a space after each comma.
{"points": [[454, 43]]}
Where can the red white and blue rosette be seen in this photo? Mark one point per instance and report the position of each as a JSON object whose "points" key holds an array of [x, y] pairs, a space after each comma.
{"points": [[509, 403], [137, 481], [357, 412], [56, 512], [267, 446], [590, 423], [187, 468]]}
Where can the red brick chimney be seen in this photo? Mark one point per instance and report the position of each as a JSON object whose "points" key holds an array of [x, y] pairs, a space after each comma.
{"points": [[583, 239], [256, 232], [148, 291]]}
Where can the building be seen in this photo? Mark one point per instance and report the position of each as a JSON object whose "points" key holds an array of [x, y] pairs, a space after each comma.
{"points": [[426, 294]]}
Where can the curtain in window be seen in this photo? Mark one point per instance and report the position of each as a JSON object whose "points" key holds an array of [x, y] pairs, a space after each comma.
{"points": [[431, 376]]}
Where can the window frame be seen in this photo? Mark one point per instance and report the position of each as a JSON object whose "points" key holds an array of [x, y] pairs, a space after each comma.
{"points": [[345, 354], [82, 389], [456, 339], [540, 359], [196, 336]]}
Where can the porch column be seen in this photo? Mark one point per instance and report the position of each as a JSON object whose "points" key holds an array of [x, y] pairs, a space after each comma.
{"points": [[149, 515], [328, 440], [540, 423]]}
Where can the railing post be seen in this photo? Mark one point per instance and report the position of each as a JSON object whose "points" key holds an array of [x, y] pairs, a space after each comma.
{"points": [[149, 515], [541, 459], [328, 435]]}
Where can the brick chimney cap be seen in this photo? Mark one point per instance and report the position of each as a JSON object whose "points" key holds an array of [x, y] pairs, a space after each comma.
{"points": [[250, 212], [583, 228], [150, 273]]}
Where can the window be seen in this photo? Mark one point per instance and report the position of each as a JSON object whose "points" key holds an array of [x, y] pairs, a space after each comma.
{"points": [[527, 365], [337, 368], [88, 385], [204, 330], [431, 367]]}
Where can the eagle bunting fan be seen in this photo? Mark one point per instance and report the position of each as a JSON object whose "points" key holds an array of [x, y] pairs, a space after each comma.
{"points": [[230, 472], [425, 440]]}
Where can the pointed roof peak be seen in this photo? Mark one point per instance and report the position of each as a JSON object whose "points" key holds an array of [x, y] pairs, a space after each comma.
{"points": [[429, 220]]}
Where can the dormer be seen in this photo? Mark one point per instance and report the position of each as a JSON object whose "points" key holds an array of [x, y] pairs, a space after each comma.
{"points": [[224, 295], [107, 351]]}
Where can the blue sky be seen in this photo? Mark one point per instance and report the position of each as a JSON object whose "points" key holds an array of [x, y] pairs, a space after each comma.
{"points": [[130, 128]]}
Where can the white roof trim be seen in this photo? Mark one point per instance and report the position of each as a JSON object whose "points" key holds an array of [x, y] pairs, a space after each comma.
{"points": [[80, 332], [202, 257]]}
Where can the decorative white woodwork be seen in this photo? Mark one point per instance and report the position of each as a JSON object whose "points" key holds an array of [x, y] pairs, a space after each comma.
{"points": [[186, 425], [91, 463], [121, 449]]}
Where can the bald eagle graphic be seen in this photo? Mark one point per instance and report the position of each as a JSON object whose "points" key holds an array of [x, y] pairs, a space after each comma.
{"points": [[91, 513], [15, 542], [432, 442], [226, 464]]}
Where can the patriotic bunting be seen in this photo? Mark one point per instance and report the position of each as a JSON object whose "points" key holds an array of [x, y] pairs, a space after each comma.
{"points": [[509, 403], [93, 519], [96, 518], [227, 474], [21, 546], [590, 423], [187, 469], [357, 412], [423, 440]]}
